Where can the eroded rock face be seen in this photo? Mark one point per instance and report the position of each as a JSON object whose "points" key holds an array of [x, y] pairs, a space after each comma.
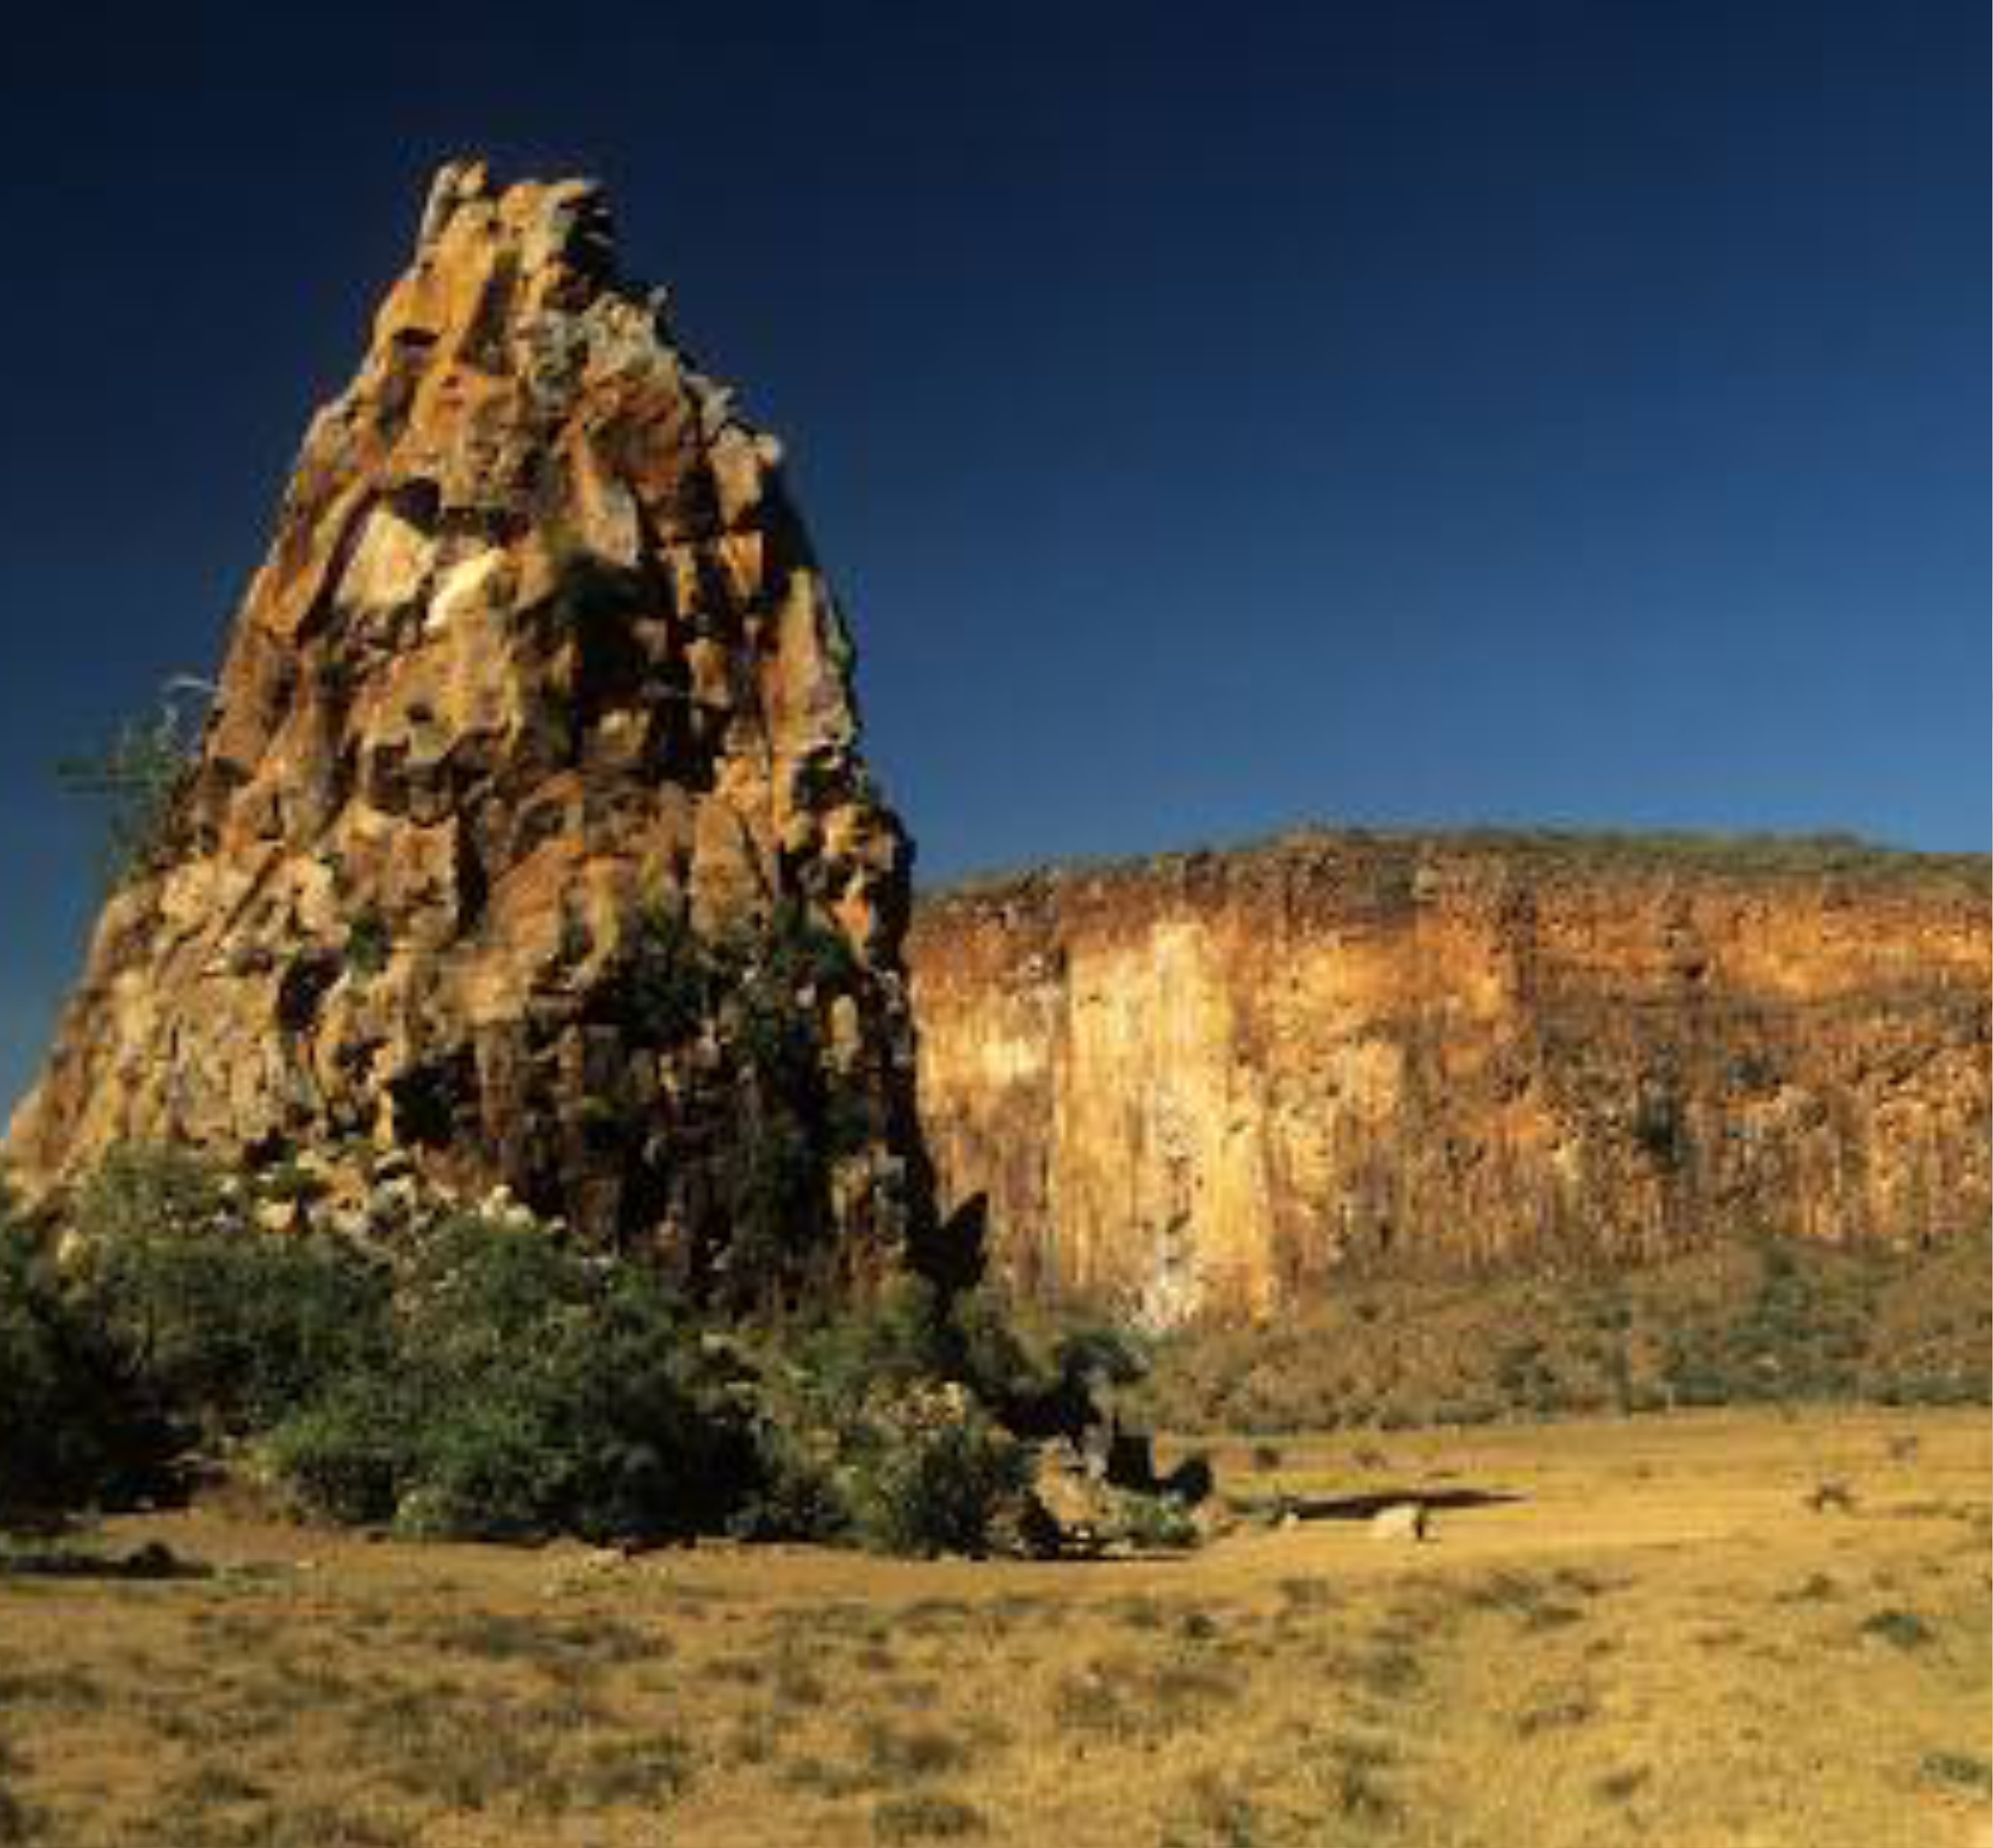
{"points": [[534, 753], [1216, 1084]]}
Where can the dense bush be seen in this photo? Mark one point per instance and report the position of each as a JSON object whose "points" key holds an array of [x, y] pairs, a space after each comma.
{"points": [[931, 1472], [344, 1456], [556, 1391], [528, 1389], [490, 1380], [229, 1325], [68, 1433], [871, 1431], [494, 1382], [484, 1377]]}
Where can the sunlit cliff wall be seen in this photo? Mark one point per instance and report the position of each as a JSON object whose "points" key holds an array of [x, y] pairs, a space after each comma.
{"points": [[1211, 1083]]}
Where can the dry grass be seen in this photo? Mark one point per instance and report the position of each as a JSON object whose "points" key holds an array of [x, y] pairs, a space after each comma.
{"points": [[1661, 1636]]}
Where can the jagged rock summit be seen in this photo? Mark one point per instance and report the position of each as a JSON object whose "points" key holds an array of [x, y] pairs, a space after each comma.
{"points": [[527, 842]]}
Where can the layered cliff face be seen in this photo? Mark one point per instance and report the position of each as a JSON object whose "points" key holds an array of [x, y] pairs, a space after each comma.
{"points": [[1213, 1084], [528, 836]]}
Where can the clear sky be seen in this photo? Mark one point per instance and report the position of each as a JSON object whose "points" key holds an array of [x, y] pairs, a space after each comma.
{"points": [[1213, 417]]}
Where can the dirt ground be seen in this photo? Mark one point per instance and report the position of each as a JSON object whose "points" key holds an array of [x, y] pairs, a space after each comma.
{"points": [[1761, 1629]]}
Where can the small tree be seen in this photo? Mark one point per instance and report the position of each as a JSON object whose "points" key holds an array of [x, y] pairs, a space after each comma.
{"points": [[139, 774]]}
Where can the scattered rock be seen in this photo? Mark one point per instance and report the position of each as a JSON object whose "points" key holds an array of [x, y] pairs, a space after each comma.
{"points": [[1401, 1521]]}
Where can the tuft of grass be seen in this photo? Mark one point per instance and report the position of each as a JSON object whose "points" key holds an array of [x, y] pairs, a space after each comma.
{"points": [[751, 1741], [21, 1823], [624, 1770], [499, 1636], [1390, 1670], [1532, 1601], [797, 1683], [812, 1776], [1901, 1629], [895, 1752], [208, 1785], [1560, 1715], [1353, 1778], [69, 1691], [1225, 1818], [1306, 1594], [1139, 1612], [1622, 1786], [1128, 1699], [432, 1744], [1958, 1770], [929, 1817]]}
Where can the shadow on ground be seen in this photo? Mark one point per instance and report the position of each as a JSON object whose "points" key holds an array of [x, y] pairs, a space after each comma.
{"points": [[1374, 1502], [153, 1560]]}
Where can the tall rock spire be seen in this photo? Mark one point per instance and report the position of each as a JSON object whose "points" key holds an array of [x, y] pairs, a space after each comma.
{"points": [[529, 807]]}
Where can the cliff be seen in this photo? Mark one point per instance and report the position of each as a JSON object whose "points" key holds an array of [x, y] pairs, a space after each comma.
{"points": [[526, 841], [1214, 1083]]}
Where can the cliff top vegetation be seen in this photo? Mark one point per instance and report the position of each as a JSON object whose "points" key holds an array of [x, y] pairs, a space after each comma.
{"points": [[1548, 852]]}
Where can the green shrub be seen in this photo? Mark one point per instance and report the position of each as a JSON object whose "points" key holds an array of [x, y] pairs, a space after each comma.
{"points": [[986, 1352], [1901, 1629], [369, 944], [611, 1421], [492, 1380], [67, 1432], [932, 1474], [666, 982], [342, 1458], [530, 1389], [905, 1335], [232, 1326], [138, 777], [870, 1432], [1159, 1523], [1117, 1356]]}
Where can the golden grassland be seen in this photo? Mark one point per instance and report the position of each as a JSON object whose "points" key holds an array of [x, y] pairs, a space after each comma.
{"points": [[1758, 1628]]}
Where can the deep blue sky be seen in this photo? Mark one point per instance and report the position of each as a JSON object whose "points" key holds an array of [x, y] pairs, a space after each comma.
{"points": [[1434, 411]]}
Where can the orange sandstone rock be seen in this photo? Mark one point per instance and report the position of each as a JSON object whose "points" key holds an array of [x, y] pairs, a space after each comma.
{"points": [[540, 643], [1216, 1084]]}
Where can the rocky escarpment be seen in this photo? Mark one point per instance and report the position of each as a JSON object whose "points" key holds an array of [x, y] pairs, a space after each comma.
{"points": [[527, 839], [1217, 1083]]}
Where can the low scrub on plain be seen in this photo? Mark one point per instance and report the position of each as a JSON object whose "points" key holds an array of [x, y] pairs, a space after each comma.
{"points": [[1745, 1321], [484, 1376]]}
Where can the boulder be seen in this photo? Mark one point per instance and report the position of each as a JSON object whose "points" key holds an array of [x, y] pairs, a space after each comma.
{"points": [[1403, 1520]]}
